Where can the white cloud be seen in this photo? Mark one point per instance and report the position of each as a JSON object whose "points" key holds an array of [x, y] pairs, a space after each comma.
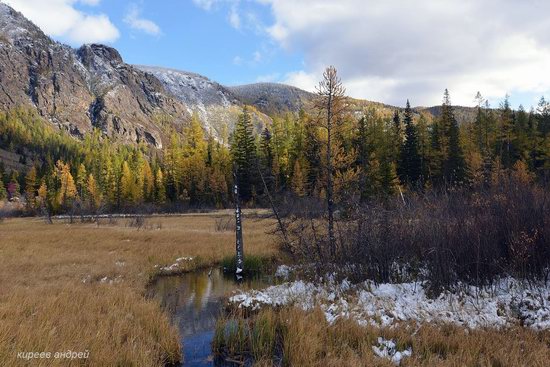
{"points": [[237, 60], [205, 4], [59, 18], [234, 17], [398, 49], [97, 28], [134, 20], [256, 57], [90, 2]]}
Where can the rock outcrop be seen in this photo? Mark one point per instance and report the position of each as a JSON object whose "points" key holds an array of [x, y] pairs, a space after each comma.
{"points": [[78, 90]]}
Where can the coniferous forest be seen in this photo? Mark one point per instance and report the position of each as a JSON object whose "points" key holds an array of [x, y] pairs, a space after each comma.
{"points": [[375, 155]]}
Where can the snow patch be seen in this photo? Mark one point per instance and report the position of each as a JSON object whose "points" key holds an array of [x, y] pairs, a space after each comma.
{"points": [[511, 302], [175, 267], [283, 271], [388, 349]]}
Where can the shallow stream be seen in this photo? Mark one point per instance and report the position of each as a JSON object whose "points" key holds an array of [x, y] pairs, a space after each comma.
{"points": [[194, 302]]}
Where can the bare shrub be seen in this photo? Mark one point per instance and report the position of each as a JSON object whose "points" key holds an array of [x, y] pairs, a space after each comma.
{"points": [[443, 237]]}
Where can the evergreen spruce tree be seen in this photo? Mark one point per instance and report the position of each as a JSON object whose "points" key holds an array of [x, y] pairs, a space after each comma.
{"points": [[436, 153], [536, 156], [312, 155], [479, 123], [424, 147], [454, 166], [243, 150], [389, 183], [543, 110], [410, 166], [396, 135], [266, 158], [210, 150], [504, 137], [81, 179]]}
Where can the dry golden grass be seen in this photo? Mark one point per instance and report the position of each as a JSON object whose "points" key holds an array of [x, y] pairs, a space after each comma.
{"points": [[52, 297], [308, 340]]}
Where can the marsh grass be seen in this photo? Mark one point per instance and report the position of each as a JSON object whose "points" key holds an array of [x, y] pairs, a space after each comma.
{"points": [[82, 286], [293, 337], [254, 265]]}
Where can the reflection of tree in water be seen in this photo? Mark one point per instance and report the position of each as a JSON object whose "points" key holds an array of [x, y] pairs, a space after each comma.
{"points": [[201, 286], [193, 301]]}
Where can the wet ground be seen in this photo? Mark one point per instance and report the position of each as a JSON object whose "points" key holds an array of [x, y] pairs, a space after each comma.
{"points": [[194, 302]]}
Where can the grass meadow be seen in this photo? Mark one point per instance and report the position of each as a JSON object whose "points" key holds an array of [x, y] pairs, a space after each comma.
{"points": [[81, 287]]}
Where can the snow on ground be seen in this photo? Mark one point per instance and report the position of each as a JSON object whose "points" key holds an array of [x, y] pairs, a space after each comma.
{"points": [[175, 268], [510, 302], [388, 349], [283, 271]]}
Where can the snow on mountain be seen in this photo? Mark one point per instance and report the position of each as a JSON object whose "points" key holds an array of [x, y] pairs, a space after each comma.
{"points": [[273, 98], [217, 107]]}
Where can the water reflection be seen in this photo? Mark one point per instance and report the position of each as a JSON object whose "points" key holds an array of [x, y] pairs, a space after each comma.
{"points": [[193, 301]]}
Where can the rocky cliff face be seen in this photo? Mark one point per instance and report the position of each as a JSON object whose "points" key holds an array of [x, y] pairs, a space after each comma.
{"points": [[78, 90]]}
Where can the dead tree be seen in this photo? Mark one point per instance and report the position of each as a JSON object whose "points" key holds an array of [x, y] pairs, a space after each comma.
{"points": [[273, 207], [238, 230], [331, 106]]}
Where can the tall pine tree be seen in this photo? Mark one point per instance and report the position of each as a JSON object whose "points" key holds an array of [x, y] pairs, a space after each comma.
{"points": [[243, 150], [410, 166], [454, 166]]}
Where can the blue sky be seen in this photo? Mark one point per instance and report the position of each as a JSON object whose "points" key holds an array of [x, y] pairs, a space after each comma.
{"points": [[201, 40], [385, 51]]}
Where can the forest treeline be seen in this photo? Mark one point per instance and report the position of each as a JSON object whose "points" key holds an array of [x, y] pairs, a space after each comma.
{"points": [[373, 156]]}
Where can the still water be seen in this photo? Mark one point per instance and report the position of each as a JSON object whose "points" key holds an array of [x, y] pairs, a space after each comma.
{"points": [[194, 302]]}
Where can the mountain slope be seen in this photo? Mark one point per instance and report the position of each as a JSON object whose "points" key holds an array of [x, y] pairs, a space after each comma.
{"points": [[273, 98], [92, 87], [78, 90], [217, 106], [462, 114]]}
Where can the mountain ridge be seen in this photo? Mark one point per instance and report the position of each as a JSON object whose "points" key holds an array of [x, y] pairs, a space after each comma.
{"points": [[91, 87]]}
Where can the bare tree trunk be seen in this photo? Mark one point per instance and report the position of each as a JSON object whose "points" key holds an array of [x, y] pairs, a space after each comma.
{"points": [[238, 231], [281, 226], [330, 199], [331, 94]]}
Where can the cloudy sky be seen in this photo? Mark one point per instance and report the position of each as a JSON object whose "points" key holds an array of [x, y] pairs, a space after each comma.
{"points": [[386, 51]]}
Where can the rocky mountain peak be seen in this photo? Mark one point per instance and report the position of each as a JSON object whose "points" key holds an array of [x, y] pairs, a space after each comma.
{"points": [[82, 90], [96, 55], [14, 27]]}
